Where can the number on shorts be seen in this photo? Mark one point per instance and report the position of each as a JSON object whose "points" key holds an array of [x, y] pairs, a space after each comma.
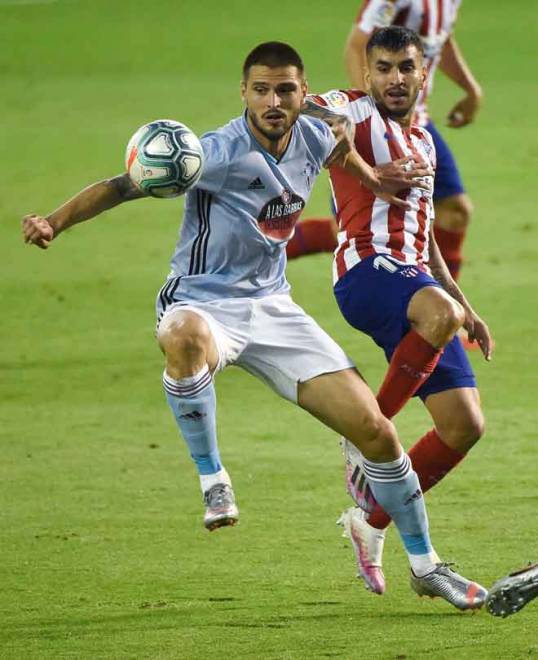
{"points": [[383, 262]]}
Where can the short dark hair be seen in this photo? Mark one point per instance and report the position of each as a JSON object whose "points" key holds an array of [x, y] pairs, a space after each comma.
{"points": [[273, 54], [394, 38]]}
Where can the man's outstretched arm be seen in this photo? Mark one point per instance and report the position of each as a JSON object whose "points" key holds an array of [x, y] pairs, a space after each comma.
{"points": [[88, 203], [355, 57], [453, 65]]}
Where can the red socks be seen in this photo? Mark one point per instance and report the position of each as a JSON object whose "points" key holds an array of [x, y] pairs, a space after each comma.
{"points": [[312, 236], [411, 364], [431, 460], [450, 243]]}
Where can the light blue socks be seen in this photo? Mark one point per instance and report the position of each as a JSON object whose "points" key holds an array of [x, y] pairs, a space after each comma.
{"points": [[396, 487], [193, 403]]}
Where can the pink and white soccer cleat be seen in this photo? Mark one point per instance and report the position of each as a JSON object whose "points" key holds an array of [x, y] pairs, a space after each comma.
{"points": [[368, 544], [355, 478]]}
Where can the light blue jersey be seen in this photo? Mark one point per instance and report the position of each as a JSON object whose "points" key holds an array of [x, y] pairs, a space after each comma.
{"points": [[242, 212]]}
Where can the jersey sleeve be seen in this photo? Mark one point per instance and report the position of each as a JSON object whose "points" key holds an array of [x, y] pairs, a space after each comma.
{"points": [[216, 163], [351, 102], [326, 140], [375, 14]]}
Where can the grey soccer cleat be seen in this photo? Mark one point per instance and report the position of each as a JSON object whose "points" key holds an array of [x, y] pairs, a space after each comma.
{"points": [[221, 509], [509, 595], [444, 583]]}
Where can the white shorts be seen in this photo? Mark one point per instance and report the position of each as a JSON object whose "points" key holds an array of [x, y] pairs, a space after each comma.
{"points": [[271, 338]]}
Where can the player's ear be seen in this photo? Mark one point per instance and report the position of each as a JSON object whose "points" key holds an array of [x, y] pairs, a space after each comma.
{"points": [[304, 88], [424, 76], [367, 80], [243, 88]]}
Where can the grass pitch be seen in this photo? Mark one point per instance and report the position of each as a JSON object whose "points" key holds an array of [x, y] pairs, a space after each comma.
{"points": [[103, 553]]}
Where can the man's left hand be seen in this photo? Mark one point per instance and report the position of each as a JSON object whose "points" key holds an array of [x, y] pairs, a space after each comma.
{"points": [[464, 111], [478, 331]]}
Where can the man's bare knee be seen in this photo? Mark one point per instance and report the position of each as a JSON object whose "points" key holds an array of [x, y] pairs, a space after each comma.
{"points": [[187, 341], [454, 213], [377, 439], [464, 433], [435, 315], [344, 402], [451, 317]]}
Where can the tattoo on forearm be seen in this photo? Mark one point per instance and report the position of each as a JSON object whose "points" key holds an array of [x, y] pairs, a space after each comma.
{"points": [[332, 118], [125, 187], [314, 110], [442, 275]]}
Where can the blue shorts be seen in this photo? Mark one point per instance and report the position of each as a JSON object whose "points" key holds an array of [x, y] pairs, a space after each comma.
{"points": [[447, 177], [373, 297]]}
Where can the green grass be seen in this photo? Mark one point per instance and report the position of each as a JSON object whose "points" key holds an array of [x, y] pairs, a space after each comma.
{"points": [[103, 553]]}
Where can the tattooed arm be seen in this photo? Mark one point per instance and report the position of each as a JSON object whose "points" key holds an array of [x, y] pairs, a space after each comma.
{"points": [[475, 326], [342, 128], [93, 200], [383, 180]]}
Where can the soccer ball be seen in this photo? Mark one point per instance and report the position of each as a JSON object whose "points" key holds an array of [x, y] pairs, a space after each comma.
{"points": [[164, 158]]}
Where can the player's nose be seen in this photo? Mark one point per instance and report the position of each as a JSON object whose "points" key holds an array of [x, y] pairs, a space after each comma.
{"points": [[275, 100]]}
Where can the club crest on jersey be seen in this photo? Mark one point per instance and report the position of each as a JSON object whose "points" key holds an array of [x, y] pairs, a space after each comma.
{"points": [[429, 149], [279, 216], [409, 272], [335, 99]]}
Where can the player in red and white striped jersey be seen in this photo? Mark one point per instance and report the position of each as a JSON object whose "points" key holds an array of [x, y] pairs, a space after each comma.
{"points": [[369, 225], [392, 283], [433, 21]]}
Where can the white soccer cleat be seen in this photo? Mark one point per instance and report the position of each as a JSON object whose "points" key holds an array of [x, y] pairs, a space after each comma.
{"points": [[221, 509], [367, 544]]}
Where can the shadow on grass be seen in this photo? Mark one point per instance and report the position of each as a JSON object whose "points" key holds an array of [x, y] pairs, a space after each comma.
{"points": [[171, 616]]}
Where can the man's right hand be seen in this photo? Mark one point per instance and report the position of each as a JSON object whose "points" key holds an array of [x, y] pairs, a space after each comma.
{"points": [[37, 230], [402, 174]]}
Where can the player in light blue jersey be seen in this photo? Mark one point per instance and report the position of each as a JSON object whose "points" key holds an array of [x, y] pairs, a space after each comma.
{"points": [[227, 300]]}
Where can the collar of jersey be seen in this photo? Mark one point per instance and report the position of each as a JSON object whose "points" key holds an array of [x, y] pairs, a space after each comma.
{"points": [[268, 157], [385, 115]]}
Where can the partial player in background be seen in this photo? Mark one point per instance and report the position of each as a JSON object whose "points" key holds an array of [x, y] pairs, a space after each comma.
{"points": [[391, 283], [510, 594], [226, 300], [434, 21]]}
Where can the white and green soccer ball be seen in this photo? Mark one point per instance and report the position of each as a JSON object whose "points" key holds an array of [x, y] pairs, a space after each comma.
{"points": [[164, 158]]}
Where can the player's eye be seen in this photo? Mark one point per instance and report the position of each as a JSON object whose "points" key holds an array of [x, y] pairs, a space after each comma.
{"points": [[289, 89]]}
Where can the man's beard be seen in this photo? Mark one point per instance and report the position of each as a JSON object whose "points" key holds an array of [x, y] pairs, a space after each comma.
{"points": [[276, 134], [397, 113]]}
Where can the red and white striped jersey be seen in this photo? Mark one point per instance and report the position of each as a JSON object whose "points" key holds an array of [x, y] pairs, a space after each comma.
{"points": [[433, 20], [367, 224]]}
